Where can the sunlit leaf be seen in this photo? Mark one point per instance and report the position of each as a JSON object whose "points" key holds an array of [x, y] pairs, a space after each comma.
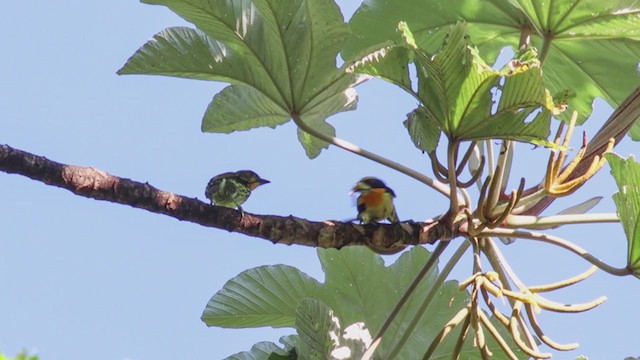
{"points": [[240, 107], [267, 296], [423, 130], [311, 144], [316, 324], [627, 199], [280, 57], [265, 351], [456, 88], [262, 296], [574, 38], [389, 62]]}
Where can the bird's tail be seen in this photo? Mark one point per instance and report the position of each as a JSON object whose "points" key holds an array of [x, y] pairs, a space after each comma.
{"points": [[394, 216]]}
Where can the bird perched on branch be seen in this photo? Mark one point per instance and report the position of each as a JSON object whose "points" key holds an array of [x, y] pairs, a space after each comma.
{"points": [[375, 202], [232, 189]]}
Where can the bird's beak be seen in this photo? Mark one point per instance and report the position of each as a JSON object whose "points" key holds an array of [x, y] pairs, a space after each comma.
{"points": [[355, 189], [258, 182]]}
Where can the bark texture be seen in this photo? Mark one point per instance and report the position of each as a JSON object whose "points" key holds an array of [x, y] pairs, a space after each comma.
{"points": [[97, 184]]}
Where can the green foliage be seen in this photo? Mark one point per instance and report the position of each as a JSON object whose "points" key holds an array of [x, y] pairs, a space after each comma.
{"points": [[268, 351], [423, 129], [627, 175], [590, 47], [280, 58], [455, 88], [23, 355], [262, 296], [280, 295], [321, 336]]}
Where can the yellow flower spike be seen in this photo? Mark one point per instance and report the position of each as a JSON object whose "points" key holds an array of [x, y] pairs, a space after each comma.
{"points": [[535, 303], [572, 165], [572, 125], [492, 288], [496, 313], [556, 164], [468, 281], [570, 187], [554, 182], [566, 188], [527, 298], [492, 276], [564, 283], [515, 334], [496, 335], [545, 339], [548, 178], [564, 308]]}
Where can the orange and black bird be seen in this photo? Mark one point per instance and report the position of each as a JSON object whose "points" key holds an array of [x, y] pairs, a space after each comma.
{"points": [[375, 202], [232, 189]]}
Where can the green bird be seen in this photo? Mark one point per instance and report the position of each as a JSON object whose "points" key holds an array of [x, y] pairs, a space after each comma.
{"points": [[375, 202], [232, 189]]}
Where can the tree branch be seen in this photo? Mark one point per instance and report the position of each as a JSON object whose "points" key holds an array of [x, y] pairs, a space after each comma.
{"points": [[97, 184]]}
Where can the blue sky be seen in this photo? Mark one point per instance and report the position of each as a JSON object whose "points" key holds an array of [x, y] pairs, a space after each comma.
{"points": [[81, 278]]}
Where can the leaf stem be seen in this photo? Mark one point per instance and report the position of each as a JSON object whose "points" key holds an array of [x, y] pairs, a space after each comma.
{"points": [[433, 259], [446, 270], [452, 154], [548, 222], [345, 145], [546, 45], [505, 272], [525, 36], [489, 146], [554, 240]]}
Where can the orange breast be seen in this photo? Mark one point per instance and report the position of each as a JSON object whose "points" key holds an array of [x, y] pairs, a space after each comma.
{"points": [[372, 199]]}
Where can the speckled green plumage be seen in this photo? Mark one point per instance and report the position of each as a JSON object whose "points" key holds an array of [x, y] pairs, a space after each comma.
{"points": [[232, 189]]}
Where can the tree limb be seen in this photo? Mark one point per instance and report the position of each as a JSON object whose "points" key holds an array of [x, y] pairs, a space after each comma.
{"points": [[97, 184]]}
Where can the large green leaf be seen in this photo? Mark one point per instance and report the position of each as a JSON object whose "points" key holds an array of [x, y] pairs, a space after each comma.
{"points": [[522, 94], [358, 288], [322, 337], [280, 57], [492, 24], [455, 87], [589, 46], [313, 145], [269, 351], [386, 61], [262, 296], [317, 327], [455, 83], [241, 107], [365, 290], [423, 129], [627, 175]]}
